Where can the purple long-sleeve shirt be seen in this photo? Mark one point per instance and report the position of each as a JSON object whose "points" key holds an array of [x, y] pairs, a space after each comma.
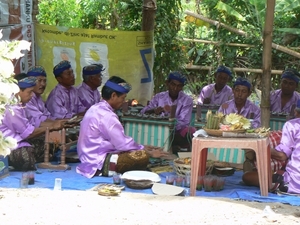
{"points": [[63, 102], [246, 111], [209, 91], [101, 133], [16, 125], [290, 145], [275, 102], [87, 96], [183, 111], [36, 111]]}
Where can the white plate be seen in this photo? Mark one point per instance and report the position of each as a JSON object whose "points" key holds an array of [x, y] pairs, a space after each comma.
{"points": [[141, 175], [166, 189], [224, 168]]}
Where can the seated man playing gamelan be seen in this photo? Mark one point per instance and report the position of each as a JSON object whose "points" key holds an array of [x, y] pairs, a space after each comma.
{"points": [[103, 148]]}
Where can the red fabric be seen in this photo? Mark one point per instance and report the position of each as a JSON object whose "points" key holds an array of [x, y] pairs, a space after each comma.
{"points": [[186, 130], [275, 137]]}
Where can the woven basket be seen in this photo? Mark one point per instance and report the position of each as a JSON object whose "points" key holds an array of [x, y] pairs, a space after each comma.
{"points": [[138, 184], [182, 169]]}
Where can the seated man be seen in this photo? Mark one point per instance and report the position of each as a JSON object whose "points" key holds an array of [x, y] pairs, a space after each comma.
{"points": [[88, 90], [283, 99], [63, 101], [162, 102], [102, 141], [15, 125], [240, 103], [219, 92], [288, 149], [35, 109]]}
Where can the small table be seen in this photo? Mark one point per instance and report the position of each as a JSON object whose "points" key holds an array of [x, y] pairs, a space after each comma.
{"points": [[259, 145]]}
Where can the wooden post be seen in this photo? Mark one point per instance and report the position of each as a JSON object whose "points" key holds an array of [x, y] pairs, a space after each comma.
{"points": [[149, 9], [267, 64]]}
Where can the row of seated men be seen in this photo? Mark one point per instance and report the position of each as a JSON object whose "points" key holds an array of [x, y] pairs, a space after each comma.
{"points": [[281, 100], [100, 121], [66, 101]]}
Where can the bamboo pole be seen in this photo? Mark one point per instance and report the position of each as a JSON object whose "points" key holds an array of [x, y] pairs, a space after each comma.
{"points": [[236, 69], [267, 64], [241, 32], [216, 23], [218, 43]]}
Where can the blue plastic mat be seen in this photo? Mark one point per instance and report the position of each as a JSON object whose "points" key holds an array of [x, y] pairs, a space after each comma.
{"points": [[233, 188]]}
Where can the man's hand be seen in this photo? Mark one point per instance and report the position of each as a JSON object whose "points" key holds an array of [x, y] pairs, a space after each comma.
{"points": [[158, 110], [206, 101], [57, 124], [155, 152]]}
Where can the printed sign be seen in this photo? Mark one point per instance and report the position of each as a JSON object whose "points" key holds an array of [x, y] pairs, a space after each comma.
{"points": [[128, 54], [15, 12], [21, 32]]}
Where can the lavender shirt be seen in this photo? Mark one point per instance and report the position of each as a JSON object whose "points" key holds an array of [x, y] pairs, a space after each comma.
{"points": [[100, 133], [16, 125], [36, 111], [63, 102], [183, 111], [87, 96], [209, 91], [290, 145], [275, 102], [245, 111]]}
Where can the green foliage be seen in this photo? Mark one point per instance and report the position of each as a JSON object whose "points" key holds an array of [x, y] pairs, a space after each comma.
{"points": [[248, 16], [59, 12], [172, 26], [124, 15]]}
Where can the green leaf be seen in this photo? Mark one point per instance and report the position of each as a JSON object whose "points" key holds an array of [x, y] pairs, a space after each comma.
{"points": [[287, 5], [229, 10], [190, 52]]}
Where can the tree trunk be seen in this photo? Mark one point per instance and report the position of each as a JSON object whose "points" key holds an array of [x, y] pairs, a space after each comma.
{"points": [[267, 64], [149, 9]]}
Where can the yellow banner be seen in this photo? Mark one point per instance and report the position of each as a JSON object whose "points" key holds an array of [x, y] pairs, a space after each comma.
{"points": [[128, 54]]}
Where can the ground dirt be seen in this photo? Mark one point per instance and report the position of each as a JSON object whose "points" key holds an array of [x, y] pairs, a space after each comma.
{"points": [[44, 206]]}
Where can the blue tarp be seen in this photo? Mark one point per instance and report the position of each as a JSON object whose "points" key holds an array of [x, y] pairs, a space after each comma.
{"points": [[233, 189]]}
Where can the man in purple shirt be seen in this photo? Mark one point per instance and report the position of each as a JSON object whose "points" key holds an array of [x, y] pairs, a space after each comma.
{"points": [[240, 104], [288, 149], [63, 101], [219, 92], [161, 103], [102, 135], [36, 110], [88, 90], [284, 99], [15, 125]]}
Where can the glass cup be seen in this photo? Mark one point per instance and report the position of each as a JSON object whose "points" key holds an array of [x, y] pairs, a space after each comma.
{"points": [[208, 183], [117, 178], [31, 177], [219, 184], [24, 180], [187, 180], [57, 184], [170, 179], [179, 181], [199, 183]]}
